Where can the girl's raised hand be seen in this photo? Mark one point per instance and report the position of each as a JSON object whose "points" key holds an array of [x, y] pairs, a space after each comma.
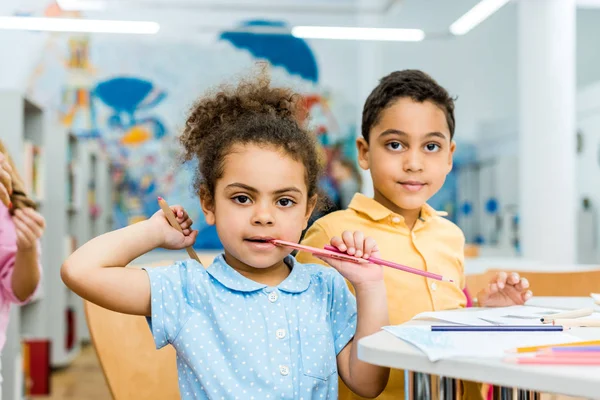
{"points": [[172, 239]]}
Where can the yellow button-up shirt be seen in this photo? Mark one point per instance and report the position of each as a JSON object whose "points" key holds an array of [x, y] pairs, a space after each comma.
{"points": [[434, 244]]}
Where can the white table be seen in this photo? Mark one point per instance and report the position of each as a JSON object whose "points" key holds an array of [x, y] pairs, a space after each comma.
{"points": [[385, 349], [479, 265]]}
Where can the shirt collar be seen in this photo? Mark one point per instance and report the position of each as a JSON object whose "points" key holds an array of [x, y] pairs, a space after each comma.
{"points": [[297, 281], [377, 212]]}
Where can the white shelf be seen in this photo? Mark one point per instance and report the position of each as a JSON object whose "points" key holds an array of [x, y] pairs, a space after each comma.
{"points": [[22, 120], [46, 316]]}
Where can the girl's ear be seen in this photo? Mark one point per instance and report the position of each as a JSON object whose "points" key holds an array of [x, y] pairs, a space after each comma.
{"points": [[310, 207], [207, 204]]}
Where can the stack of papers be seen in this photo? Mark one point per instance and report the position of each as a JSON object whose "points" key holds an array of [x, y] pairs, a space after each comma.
{"points": [[444, 345], [514, 315], [441, 345]]}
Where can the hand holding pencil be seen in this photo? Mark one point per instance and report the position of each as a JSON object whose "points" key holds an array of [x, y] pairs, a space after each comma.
{"points": [[361, 247], [176, 228]]}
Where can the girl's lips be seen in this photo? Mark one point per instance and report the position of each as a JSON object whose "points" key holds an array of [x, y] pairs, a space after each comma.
{"points": [[260, 242]]}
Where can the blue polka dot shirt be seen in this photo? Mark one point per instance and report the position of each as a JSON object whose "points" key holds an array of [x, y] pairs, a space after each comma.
{"points": [[240, 339]]}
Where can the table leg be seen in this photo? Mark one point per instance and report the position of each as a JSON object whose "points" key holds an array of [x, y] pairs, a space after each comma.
{"points": [[419, 386], [523, 394], [503, 393], [448, 388]]}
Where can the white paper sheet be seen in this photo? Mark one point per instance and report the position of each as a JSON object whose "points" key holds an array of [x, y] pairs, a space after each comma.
{"points": [[466, 316], [513, 315]]}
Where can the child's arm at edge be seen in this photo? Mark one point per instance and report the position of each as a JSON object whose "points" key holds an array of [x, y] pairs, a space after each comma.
{"points": [[365, 379], [95, 270]]}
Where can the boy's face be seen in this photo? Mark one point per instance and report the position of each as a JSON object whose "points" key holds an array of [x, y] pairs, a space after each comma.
{"points": [[262, 195], [409, 154]]}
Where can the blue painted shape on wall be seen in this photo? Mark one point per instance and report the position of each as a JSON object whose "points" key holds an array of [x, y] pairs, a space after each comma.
{"points": [[282, 50]]}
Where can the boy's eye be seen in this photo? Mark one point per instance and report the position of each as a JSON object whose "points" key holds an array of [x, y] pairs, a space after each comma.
{"points": [[432, 147], [286, 202], [394, 145], [241, 199]]}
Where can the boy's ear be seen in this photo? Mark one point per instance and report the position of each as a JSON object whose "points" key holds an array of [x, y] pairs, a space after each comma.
{"points": [[363, 153], [207, 204], [310, 207], [451, 155]]}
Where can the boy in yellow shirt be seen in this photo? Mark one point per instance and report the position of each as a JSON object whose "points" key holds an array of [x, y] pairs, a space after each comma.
{"points": [[407, 145]]}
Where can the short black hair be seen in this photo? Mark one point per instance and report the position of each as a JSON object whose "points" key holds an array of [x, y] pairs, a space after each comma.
{"points": [[411, 83]]}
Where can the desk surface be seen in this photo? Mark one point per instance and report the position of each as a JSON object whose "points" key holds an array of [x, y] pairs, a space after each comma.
{"points": [[479, 265], [383, 348]]}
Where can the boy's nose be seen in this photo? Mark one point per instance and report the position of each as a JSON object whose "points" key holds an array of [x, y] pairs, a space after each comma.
{"points": [[413, 161]]}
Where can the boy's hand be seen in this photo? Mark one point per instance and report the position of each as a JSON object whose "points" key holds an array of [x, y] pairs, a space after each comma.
{"points": [[355, 244], [505, 290], [172, 239]]}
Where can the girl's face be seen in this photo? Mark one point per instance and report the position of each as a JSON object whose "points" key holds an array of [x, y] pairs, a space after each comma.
{"points": [[261, 195]]}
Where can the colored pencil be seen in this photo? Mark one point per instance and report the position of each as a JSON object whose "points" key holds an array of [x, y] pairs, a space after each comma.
{"points": [[320, 252], [173, 221], [556, 360], [572, 354], [583, 312], [577, 322], [401, 267], [571, 349], [496, 328], [530, 349]]}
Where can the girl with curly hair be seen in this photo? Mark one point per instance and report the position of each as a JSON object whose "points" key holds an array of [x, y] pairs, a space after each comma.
{"points": [[255, 324]]}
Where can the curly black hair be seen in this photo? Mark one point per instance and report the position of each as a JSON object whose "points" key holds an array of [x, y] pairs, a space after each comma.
{"points": [[414, 84], [253, 112]]}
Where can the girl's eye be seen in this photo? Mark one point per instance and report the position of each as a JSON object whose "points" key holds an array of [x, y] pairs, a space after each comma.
{"points": [[394, 145], [432, 147], [286, 202], [241, 199]]}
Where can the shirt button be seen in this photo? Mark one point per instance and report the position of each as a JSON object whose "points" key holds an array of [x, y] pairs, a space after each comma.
{"points": [[396, 220], [280, 333], [284, 370], [273, 296], [433, 286], [412, 234]]}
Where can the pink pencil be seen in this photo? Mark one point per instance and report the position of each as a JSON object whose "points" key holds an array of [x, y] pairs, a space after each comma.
{"points": [[320, 252], [556, 360], [401, 267], [568, 354]]}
